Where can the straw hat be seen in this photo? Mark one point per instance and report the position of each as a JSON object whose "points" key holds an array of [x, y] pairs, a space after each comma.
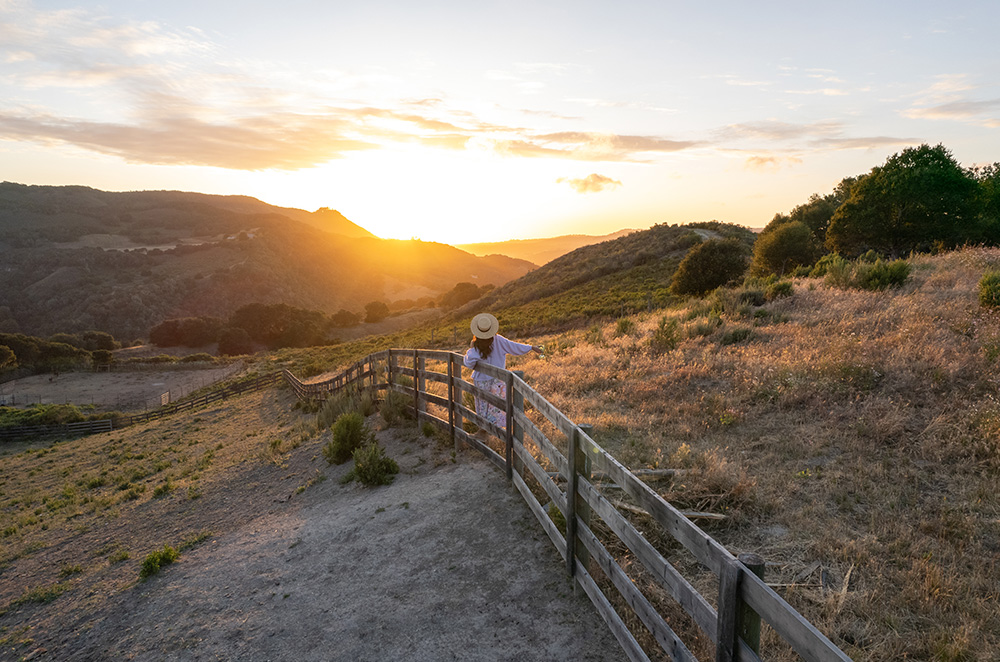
{"points": [[484, 326]]}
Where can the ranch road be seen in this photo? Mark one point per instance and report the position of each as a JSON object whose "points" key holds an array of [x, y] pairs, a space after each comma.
{"points": [[446, 563]]}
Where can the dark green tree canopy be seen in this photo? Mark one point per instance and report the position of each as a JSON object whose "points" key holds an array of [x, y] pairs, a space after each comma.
{"points": [[376, 311], [709, 265], [782, 248], [918, 199]]}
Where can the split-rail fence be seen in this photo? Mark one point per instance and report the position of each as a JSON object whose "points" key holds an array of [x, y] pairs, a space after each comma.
{"points": [[430, 383]]}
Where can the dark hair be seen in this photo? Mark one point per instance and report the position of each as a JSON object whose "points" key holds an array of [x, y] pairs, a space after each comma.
{"points": [[484, 346]]}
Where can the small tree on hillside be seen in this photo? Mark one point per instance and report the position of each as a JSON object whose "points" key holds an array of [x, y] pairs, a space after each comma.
{"points": [[780, 250], [7, 358], [376, 311], [709, 265]]}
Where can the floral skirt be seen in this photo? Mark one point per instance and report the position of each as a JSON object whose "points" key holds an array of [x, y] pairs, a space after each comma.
{"points": [[491, 413]]}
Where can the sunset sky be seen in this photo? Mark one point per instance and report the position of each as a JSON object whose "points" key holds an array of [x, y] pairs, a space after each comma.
{"points": [[481, 121]]}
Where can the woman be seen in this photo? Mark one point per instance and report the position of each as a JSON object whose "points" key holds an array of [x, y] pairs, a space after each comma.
{"points": [[491, 348]]}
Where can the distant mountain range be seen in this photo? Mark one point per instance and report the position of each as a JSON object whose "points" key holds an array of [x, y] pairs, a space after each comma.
{"points": [[74, 258], [539, 251]]}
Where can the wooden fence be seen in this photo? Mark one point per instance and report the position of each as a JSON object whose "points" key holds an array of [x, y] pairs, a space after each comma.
{"points": [[255, 384], [107, 424], [562, 467]]}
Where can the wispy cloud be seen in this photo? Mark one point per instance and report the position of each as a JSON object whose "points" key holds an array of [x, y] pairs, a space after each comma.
{"points": [[770, 162], [592, 183], [778, 130], [175, 99]]}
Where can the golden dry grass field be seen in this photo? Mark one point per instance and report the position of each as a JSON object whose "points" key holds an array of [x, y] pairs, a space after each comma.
{"points": [[851, 437]]}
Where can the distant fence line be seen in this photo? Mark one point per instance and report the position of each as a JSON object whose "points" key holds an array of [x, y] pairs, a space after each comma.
{"points": [[116, 422], [437, 396]]}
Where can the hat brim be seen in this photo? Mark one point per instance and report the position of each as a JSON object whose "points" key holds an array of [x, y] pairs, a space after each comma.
{"points": [[484, 326]]}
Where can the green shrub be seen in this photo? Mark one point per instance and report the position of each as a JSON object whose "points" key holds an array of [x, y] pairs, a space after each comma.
{"points": [[863, 275], [821, 268], [665, 337], [881, 275], [705, 327], [345, 401], [989, 289], [372, 466], [396, 408], [157, 559], [709, 265], [624, 327], [782, 288], [349, 433], [736, 335]]}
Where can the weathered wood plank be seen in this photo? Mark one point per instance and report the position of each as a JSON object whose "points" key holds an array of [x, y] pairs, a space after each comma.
{"points": [[543, 406], [490, 454], [803, 636], [543, 443], [551, 489], [664, 635], [705, 548], [435, 399], [692, 602], [547, 524], [610, 616]]}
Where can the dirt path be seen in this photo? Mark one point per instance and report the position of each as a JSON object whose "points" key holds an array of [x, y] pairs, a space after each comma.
{"points": [[447, 563]]}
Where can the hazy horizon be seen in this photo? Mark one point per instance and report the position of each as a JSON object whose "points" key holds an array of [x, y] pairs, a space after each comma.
{"points": [[468, 124]]}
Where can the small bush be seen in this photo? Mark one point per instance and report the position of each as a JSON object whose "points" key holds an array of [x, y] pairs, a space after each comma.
{"points": [[349, 434], [863, 275], [625, 327], [708, 266], [821, 267], [989, 289], [343, 402], [372, 466], [157, 559], [665, 337], [881, 275], [737, 335], [396, 408], [782, 288]]}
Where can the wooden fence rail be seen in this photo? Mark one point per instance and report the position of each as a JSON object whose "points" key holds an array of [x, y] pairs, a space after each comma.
{"points": [[431, 383]]}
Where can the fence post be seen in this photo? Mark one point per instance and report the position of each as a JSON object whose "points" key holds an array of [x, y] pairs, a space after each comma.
{"points": [[509, 437], [517, 434], [416, 389], [451, 398], [729, 591], [736, 619], [571, 477], [388, 372], [748, 621], [583, 468], [457, 394]]}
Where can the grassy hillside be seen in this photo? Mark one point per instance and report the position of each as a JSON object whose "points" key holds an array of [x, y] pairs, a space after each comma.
{"points": [[539, 251], [78, 259], [852, 438], [611, 278]]}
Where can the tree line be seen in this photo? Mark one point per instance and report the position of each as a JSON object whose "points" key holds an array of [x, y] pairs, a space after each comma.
{"points": [[919, 200]]}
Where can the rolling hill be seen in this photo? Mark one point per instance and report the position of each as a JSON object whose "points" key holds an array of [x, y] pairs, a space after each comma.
{"points": [[75, 258], [539, 251]]}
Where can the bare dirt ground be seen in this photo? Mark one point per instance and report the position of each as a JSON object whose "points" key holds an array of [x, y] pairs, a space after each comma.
{"points": [[446, 563], [123, 391]]}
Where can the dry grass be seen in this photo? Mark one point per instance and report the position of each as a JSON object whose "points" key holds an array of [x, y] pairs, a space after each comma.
{"points": [[99, 505], [855, 430]]}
